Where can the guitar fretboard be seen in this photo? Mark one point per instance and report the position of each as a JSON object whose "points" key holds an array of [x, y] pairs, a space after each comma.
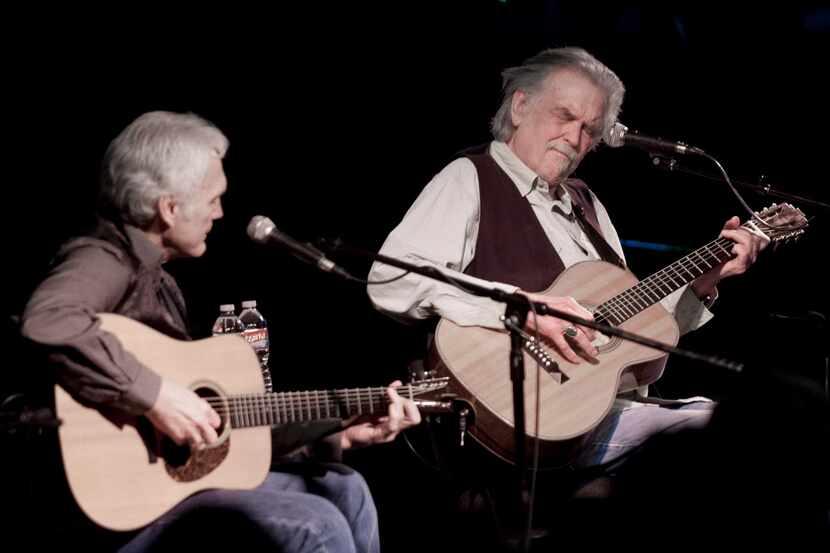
{"points": [[654, 288], [247, 410]]}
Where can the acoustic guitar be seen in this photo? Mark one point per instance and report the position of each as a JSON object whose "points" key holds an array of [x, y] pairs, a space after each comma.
{"points": [[124, 474], [575, 398]]}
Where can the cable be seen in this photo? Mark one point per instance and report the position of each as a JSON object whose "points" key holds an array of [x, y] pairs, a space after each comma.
{"points": [[387, 281], [752, 214]]}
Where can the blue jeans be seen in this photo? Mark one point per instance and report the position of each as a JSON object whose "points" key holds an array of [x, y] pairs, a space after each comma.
{"points": [[292, 512], [629, 424]]}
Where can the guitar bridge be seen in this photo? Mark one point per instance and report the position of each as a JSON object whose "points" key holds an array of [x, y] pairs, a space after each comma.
{"points": [[537, 351], [543, 358]]}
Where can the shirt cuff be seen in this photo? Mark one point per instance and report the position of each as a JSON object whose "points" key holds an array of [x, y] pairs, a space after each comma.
{"points": [[143, 393]]}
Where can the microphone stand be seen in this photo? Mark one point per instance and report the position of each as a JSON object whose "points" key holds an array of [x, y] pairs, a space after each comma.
{"points": [[672, 165], [516, 311]]}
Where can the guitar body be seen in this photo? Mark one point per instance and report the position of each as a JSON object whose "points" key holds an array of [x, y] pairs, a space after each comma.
{"points": [[477, 361], [119, 469]]}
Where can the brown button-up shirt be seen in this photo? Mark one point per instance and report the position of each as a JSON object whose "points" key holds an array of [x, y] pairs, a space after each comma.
{"points": [[116, 269]]}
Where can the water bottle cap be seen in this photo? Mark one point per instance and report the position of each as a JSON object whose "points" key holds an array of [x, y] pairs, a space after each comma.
{"points": [[226, 307], [248, 303]]}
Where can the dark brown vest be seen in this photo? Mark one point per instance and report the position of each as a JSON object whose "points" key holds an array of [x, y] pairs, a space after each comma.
{"points": [[512, 246]]}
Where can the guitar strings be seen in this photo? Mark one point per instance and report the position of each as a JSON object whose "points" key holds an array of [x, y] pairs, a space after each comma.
{"points": [[247, 410], [633, 300], [239, 402], [664, 276], [310, 401], [289, 410], [638, 297], [314, 395], [236, 403]]}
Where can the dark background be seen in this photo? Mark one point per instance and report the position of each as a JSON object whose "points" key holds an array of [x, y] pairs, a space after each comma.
{"points": [[338, 116]]}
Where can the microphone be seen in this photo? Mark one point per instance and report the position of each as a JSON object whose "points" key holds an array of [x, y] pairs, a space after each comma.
{"points": [[262, 229], [621, 136]]}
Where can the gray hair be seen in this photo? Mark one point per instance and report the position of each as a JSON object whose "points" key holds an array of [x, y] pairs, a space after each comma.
{"points": [[159, 154], [530, 76]]}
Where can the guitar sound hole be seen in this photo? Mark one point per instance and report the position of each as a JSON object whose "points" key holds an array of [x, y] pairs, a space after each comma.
{"points": [[175, 455], [213, 397], [602, 342], [185, 464], [605, 343]]}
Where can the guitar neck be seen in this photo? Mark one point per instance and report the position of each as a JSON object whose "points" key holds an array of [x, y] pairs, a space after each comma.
{"points": [[654, 288], [247, 410]]}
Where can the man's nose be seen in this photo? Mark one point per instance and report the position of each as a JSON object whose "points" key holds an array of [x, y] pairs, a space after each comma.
{"points": [[573, 134]]}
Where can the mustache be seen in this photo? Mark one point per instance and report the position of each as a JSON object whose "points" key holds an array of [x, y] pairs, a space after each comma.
{"points": [[564, 149]]}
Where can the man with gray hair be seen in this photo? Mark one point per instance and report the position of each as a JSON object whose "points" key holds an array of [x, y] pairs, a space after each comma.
{"points": [[161, 190], [510, 215]]}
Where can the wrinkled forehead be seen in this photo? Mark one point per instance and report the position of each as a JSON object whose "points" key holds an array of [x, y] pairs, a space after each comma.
{"points": [[576, 91]]}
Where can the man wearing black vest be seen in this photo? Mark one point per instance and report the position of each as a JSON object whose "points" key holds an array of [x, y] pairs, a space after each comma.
{"points": [[510, 215]]}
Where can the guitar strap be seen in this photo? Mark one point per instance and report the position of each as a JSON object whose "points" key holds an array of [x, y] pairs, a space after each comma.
{"points": [[605, 251]]}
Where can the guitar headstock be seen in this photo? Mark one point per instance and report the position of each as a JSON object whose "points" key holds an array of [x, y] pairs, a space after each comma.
{"points": [[428, 385], [781, 222]]}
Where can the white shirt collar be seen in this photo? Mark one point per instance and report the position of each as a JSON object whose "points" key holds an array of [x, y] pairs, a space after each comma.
{"points": [[525, 179]]}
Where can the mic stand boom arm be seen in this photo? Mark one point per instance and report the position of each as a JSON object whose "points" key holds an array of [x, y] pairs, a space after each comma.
{"points": [[672, 165], [521, 302]]}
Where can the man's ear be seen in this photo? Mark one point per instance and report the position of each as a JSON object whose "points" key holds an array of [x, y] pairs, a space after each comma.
{"points": [[518, 107], [169, 210]]}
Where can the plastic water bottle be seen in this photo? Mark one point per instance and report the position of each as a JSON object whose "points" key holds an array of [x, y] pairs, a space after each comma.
{"points": [[256, 333], [255, 330], [227, 322]]}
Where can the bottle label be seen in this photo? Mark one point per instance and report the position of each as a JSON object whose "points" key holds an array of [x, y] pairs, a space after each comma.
{"points": [[257, 337]]}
